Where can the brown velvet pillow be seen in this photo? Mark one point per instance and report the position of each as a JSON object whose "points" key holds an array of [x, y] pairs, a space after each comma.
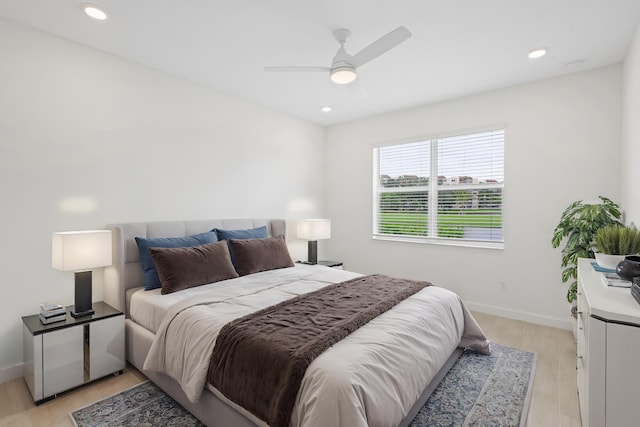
{"points": [[182, 268], [254, 255]]}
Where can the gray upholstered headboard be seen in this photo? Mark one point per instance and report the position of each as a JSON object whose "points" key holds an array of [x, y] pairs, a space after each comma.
{"points": [[126, 272]]}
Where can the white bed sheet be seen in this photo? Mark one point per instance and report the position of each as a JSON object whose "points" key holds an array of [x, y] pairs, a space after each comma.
{"points": [[370, 378], [148, 308]]}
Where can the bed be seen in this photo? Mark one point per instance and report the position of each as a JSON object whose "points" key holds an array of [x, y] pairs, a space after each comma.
{"points": [[380, 387]]}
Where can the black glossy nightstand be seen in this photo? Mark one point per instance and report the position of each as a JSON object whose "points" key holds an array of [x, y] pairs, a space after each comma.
{"points": [[63, 355], [332, 264]]}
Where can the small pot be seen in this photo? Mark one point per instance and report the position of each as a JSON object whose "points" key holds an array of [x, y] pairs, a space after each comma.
{"points": [[608, 261], [629, 267]]}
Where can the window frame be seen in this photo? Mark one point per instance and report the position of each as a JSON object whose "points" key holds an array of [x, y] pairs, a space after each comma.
{"points": [[433, 189]]}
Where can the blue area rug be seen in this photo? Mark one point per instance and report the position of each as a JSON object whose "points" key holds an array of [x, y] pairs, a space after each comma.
{"points": [[482, 390], [478, 390], [141, 405]]}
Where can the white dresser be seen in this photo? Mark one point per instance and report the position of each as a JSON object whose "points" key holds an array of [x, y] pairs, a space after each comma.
{"points": [[608, 356]]}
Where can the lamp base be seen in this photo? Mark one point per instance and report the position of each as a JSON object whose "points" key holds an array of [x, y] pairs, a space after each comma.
{"points": [[312, 253], [76, 314], [83, 306]]}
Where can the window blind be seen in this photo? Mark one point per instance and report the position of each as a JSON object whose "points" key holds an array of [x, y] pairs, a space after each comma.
{"points": [[448, 188]]}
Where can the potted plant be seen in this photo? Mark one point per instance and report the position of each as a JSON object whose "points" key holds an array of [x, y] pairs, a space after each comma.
{"points": [[578, 225], [614, 243]]}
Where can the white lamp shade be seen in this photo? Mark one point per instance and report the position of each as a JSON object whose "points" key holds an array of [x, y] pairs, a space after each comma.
{"points": [[80, 250], [314, 229]]}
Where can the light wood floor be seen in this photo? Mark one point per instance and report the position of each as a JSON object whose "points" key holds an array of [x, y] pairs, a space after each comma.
{"points": [[554, 403], [555, 397]]}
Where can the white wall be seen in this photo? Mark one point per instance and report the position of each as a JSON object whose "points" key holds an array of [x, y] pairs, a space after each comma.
{"points": [[562, 144], [88, 139], [630, 179]]}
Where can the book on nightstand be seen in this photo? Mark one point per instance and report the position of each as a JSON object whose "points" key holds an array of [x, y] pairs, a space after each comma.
{"points": [[612, 279], [45, 320], [50, 310], [50, 307], [51, 313], [635, 291]]}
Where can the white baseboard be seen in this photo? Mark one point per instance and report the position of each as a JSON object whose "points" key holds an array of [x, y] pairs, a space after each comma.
{"points": [[520, 315], [11, 373]]}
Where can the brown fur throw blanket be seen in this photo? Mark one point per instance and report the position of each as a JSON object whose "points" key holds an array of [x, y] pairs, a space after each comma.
{"points": [[259, 360]]}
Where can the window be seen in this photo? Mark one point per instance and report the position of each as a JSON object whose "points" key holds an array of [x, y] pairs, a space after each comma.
{"points": [[445, 190]]}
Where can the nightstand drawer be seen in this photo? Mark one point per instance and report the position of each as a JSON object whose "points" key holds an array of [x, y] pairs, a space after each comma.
{"points": [[106, 352], [62, 362]]}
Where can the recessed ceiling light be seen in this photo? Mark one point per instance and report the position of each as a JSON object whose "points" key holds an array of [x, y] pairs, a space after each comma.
{"points": [[94, 11], [538, 53], [326, 109]]}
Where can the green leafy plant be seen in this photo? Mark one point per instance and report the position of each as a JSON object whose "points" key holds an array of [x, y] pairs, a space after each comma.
{"points": [[578, 225], [616, 240]]}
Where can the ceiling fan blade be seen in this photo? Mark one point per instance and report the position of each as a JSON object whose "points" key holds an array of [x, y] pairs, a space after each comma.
{"points": [[294, 68], [380, 46]]}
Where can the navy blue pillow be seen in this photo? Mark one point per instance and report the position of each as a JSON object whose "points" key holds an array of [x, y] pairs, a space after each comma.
{"points": [[151, 279], [251, 233]]}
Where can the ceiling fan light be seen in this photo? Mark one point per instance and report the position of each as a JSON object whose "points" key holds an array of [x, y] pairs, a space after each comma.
{"points": [[343, 75]]}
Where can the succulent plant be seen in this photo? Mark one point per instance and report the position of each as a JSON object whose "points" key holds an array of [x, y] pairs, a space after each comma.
{"points": [[617, 240]]}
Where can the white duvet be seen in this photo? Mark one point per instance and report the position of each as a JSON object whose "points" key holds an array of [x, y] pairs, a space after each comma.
{"points": [[370, 378]]}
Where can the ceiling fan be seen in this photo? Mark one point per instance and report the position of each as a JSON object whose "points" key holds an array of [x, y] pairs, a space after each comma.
{"points": [[343, 67]]}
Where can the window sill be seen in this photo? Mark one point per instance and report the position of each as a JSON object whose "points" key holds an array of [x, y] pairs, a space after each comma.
{"points": [[442, 242]]}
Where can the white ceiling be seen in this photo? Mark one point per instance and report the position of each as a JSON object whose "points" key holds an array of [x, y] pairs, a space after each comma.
{"points": [[457, 48]]}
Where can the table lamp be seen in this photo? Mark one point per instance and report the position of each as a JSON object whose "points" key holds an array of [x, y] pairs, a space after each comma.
{"points": [[314, 230], [79, 251]]}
